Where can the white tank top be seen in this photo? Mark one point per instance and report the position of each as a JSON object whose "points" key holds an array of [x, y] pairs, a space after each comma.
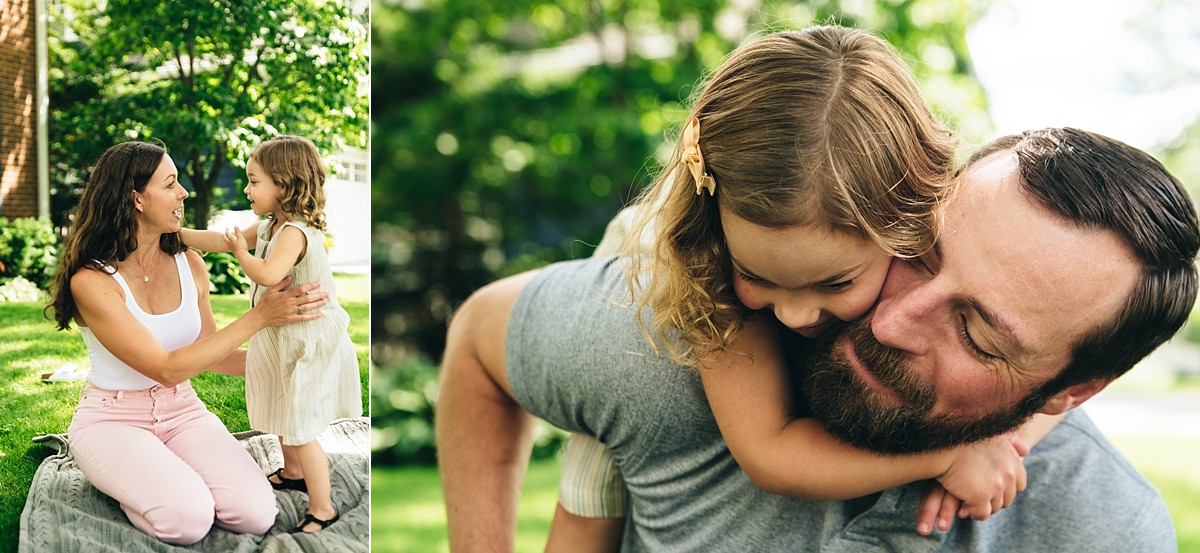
{"points": [[173, 330]]}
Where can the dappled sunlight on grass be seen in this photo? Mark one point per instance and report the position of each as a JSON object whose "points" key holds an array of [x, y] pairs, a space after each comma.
{"points": [[30, 346]]}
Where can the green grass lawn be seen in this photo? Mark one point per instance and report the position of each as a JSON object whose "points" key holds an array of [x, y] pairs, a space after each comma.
{"points": [[29, 346], [408, 515]]}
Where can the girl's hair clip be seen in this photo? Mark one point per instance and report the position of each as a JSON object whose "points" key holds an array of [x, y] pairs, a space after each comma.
{"points": [[694, 158]]}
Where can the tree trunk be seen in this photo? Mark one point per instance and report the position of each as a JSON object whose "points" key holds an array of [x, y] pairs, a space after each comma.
{"points": [[201, 201]]}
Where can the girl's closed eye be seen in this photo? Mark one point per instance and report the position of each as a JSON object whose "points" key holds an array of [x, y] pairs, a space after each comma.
{"points": [[838, 286], [749, 277]]}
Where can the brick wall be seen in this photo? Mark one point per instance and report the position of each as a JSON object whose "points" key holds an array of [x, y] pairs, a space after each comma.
{"points": [[18, 90]]}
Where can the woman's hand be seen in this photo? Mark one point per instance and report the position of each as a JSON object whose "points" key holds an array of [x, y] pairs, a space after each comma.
{"points": [[281, 306]]}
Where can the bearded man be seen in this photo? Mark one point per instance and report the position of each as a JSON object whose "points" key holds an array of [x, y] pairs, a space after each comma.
{"points": [[1065, 259]]}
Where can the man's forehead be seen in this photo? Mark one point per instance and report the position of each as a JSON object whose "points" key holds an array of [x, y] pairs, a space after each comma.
{"points": [[1047, 280], [988, 174]]}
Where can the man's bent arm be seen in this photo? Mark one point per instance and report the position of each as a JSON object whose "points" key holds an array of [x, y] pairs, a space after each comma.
{"points": [[484, 437]]}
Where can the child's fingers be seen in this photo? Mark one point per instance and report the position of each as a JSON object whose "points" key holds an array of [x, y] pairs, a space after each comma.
{"points": [[950, 505], [977, 511], [1010, 493], [927, 511], [1020, 445], [1018, 486]]}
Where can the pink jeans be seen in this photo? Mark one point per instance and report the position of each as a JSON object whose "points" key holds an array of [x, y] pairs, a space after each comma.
{"points": [[170, 463]]}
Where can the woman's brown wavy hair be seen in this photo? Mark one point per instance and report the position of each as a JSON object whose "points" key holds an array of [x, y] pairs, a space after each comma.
{"points": [[824, 125], [295, 165], [104, 230]]}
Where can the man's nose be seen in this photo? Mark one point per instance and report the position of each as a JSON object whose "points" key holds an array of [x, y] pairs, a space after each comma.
{"points": [[907, 319]]}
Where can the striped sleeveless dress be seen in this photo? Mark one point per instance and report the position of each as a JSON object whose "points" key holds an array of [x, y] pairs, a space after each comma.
{"points": [[302, 376]]}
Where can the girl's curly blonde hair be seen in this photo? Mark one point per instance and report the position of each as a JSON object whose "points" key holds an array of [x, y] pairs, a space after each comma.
{"points": [[295, 165], [823, 125]]}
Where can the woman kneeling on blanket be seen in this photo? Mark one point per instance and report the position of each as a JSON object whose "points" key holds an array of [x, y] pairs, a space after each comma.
{"points": [[140, 298]]}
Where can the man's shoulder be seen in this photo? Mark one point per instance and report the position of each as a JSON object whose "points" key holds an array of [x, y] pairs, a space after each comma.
{"points": [[1077, 453], [1081, 488]]}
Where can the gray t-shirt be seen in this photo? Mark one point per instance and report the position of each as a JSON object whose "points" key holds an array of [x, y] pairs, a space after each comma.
{"points": [[577, 359]]}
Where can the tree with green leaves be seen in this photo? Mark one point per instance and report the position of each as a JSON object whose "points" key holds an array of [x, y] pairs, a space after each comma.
{"points": [[210, 78]]}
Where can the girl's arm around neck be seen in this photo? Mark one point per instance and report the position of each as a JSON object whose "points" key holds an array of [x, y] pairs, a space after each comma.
{"points": [[750, 398], [1037, 427]]}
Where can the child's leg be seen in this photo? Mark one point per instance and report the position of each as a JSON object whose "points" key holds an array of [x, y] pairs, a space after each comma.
{"points": [[592, 500], [291, 462], [576, 534], [315, 466]]}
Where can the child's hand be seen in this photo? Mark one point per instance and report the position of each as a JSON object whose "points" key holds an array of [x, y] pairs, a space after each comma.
{"points": [[235, 240], [987, 475], [937, 510]]}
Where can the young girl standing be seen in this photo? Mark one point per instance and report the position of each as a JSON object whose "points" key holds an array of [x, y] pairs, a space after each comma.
{"points": [[806, 166], [299, 377]]}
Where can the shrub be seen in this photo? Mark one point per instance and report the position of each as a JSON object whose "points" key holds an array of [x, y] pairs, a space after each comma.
{"points": [[29, 249], [225, 276], [403, 400], [20, 289]]}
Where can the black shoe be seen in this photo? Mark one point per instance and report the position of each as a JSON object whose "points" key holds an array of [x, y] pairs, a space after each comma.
{"points": [[297, 484], [310, 519]]}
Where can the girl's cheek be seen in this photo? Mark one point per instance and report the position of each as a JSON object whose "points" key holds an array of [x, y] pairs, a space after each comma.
{"points": [[855, 304], [747, 294]]}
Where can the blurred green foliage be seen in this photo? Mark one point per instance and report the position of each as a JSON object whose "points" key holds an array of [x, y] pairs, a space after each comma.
{"points": [[210, 78], [225, 275], [29, 249], [402, 408], [507, 134], [402, 419]]}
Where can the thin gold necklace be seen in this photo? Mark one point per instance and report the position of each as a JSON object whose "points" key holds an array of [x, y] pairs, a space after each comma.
{"points": [[145, 273]]}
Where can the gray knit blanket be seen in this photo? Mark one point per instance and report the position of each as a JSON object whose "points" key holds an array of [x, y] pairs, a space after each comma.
{"points": [[65, 513]]}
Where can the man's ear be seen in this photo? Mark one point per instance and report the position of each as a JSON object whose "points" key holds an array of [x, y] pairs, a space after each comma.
{"points": [[1073, 396]]}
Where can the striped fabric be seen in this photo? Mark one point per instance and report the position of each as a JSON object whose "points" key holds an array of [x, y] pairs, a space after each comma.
{"points": [[302, 376], [591, 485]]}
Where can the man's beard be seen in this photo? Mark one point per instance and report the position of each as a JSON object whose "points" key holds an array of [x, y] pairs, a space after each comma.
{"points": [[855, 413]]}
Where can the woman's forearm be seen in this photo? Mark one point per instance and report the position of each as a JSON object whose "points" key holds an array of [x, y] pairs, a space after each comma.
{"points": [[179, 365], [233, 364]]}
